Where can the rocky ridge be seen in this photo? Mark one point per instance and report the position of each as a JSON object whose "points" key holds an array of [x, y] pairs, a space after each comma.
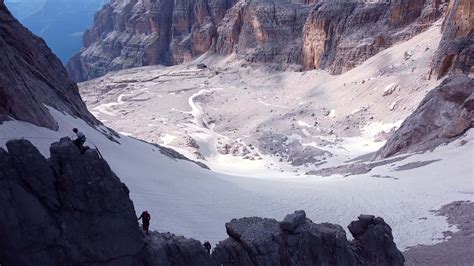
{"points": [[72, 209], [286, 34], [31, 76]]}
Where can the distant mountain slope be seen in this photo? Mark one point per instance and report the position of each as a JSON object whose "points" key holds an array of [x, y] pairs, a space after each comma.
{"points": [[295, 34], [60, 23], [31, 76]]}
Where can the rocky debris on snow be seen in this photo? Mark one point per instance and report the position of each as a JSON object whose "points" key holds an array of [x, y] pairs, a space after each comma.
{"points": [[457, 247], [32, 77], [258, 241], [345, 170], [414, 165], [444, 114], [455, 53], [389, 89], [290, 149], [70, 209]]}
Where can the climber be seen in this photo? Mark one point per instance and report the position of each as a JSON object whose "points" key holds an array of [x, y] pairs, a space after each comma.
{"points": [[207, 246], [80, 140], [146, 220]]}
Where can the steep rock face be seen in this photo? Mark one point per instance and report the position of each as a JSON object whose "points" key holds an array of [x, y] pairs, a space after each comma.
{"points": [[31, 76], [456, 49], [264, 31], [70, 209], [334, 35], [130, 33], [340, 35], [444, 114]]}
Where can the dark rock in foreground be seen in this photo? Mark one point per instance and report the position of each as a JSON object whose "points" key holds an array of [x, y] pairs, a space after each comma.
{"points": [[258, 241], [445, 113], [73, 210]]}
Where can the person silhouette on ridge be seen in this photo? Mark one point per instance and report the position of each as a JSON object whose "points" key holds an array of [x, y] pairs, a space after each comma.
{"points": [[145, 216]]}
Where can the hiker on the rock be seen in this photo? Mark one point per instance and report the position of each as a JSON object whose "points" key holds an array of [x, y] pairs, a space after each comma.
{"points": [[146, 221], [80, 140], [207, 246]]}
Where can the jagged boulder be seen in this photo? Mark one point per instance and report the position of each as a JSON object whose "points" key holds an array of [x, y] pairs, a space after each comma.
{"points": [[70, 209], [373, 242], [444, 114]]}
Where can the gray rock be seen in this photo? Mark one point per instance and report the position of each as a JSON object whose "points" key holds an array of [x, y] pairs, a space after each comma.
{"points": [[258, 241], [443, 115], [292, 221]]}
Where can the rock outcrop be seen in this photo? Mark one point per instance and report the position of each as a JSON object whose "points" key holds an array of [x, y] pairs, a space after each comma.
{"points": [[456, 50], [70, 209], [340, 35], [130, 33], [31, 76], [287, 34], [298, 241], [444, 114]]}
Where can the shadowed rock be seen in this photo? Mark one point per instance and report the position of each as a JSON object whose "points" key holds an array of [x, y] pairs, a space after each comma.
{"points": [[71, 209], [31, 76]]}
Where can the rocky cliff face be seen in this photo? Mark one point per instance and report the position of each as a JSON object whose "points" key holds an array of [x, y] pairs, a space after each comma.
{"points": [[72, 209], [130, 33], [456, 50], [31, 76], [335, 35], [264, 31], [340, 35], [444, 114]]}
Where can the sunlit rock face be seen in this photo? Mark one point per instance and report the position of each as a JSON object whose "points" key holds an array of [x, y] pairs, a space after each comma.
{"points": [[456, 50], [130, 33], [286, 34], [340, 35]]}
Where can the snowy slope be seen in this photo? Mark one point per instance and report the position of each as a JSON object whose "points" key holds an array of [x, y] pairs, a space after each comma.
{"points": [[186, 199]]}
